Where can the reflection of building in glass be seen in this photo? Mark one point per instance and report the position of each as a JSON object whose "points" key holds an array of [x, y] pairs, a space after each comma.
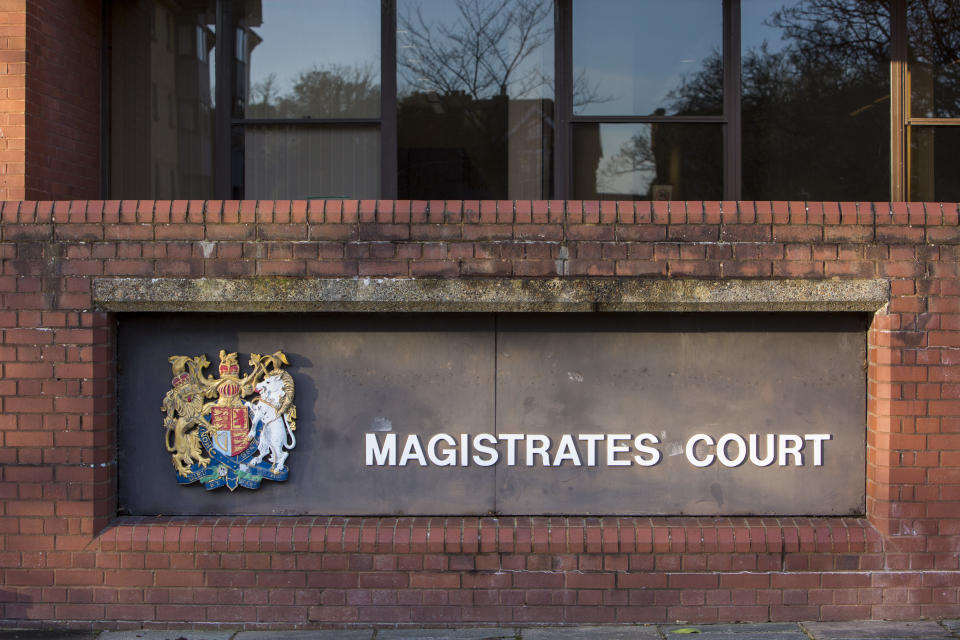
{"points": [[647, 161], [161, 99], [476, 149], [247, 39], [281, 147]]}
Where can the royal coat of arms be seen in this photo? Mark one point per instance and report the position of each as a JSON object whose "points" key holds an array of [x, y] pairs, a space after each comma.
{"points": [[230, 431]]}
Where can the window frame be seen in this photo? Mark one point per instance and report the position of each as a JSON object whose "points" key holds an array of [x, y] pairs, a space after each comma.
{"points": [[902, 122], [228, 167], [228, 163], [729, 120]]}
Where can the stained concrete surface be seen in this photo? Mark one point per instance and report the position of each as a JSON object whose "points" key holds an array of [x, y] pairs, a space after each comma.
{"points": [[500, 295], [766, 631], [879, 630]]}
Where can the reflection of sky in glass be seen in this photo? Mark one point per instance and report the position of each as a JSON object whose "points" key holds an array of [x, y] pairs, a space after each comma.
{"points": [[301, 34], [754, 16], [634, 53], [444, 15]]}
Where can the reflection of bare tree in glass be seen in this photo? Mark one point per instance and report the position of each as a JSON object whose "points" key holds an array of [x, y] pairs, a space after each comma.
{"points": [[855, 36], [329, 91], [934, 58], [635, 156], [815, 113], [480, 53], [475, 103], [849, 36]]}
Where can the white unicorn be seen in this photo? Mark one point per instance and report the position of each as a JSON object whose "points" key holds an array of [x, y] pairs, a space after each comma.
{"points": [[275, 411]]}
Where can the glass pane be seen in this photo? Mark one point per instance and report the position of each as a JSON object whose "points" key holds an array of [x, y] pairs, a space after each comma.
{"points": [[934, 164], [647, 161], [647, 58], [302, 162], [307, 59], [475, 103], [161, 99], [815, 100], [934, 58]]}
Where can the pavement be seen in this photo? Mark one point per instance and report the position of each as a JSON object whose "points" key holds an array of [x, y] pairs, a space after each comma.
{"points": [[863, 630]]}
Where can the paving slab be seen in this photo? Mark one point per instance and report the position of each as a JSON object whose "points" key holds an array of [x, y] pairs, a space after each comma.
{"points": [[953, 625], [45, 634], [467, 633], [877, 630], [327, 634], [166, 634], [620, 632], [745, 631]]}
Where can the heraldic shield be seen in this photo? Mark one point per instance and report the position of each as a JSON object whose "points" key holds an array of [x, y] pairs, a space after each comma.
{"points": [[230, 431]]}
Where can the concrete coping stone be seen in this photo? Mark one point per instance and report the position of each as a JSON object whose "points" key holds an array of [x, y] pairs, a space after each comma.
{"points": [[486, 295]]}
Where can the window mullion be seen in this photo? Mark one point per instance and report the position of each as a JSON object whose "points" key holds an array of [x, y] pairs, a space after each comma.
{"points": [[732, 144], [224, 100], [563, 99], [898, 100], [388, 99]]}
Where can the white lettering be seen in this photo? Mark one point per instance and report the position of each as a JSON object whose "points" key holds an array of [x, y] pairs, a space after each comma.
{"points": [[771, 450], [796, 444], [386, 455], [482, 448], [730, 449], [542, 449], [817, 439], [722, 450], [567, 451], [511, 439], [412, 451], [449, 455], [591, 439], [613, 449], [639, 445], [691, 449]]}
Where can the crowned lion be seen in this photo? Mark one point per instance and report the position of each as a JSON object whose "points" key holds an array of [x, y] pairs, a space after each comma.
{"points": [[183, 405]]}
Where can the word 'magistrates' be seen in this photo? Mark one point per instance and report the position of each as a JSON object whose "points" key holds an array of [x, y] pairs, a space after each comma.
{"points": [[591, 450]]}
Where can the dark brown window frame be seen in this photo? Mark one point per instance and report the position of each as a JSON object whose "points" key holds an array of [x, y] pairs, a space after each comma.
{"points": [[729, 121], [901, 120], [228, 167]]}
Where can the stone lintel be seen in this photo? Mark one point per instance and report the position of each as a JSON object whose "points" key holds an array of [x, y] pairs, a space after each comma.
{"points": [[486, 295]]}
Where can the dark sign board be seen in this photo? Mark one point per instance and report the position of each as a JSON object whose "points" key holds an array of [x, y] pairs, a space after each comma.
{"points": [[590, 414]]}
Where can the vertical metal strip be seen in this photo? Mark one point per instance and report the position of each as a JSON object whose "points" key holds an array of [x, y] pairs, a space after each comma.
{"points": [[732, 137], [562, 100], [106, 47], [899, 181], [388, 99], [225, 38]]}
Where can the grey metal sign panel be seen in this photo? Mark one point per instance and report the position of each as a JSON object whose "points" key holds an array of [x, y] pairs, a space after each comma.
{"points": [[679, 377], [353, 375], [545, 388]]}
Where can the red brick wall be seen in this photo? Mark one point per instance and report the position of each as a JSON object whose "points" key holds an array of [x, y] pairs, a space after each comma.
{"points": [[13, 84], [64, 556], [63, 99]]}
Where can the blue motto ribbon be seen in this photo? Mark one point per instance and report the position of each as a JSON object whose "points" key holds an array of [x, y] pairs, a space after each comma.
{"points": [[231, 471]]}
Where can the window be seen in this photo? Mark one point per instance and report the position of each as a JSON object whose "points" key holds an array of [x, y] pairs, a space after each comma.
{"points": [[306, 103], [475, 99], [636, 130], [161, 99], [815, 100], [531, 99], [927, 68]]}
